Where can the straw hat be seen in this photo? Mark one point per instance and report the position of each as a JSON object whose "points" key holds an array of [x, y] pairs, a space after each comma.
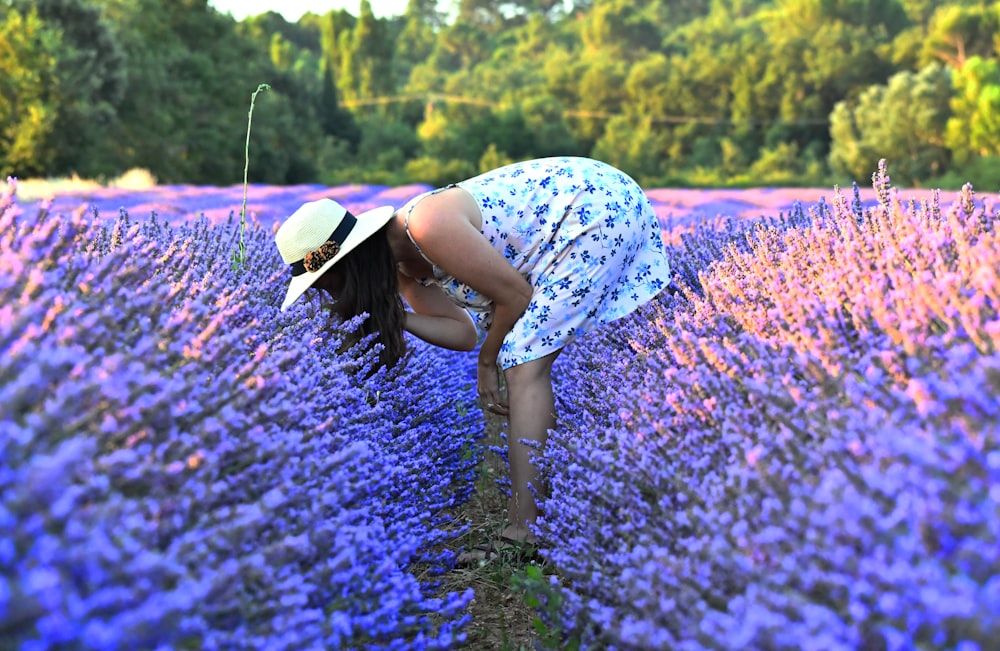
{"points": [[318, 235]]}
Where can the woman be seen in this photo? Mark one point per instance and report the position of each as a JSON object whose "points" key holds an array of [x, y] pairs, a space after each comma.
{"points": [[534, 253]]}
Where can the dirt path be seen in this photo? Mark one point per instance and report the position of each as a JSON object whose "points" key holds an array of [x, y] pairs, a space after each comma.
{"points": [[501, 620]]}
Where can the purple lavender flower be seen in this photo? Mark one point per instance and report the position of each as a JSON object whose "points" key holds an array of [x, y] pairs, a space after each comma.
{"points": [[799, 453], [183, 465]]}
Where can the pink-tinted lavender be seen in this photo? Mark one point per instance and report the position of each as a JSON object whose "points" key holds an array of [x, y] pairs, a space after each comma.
{"points": [[799, 453]]}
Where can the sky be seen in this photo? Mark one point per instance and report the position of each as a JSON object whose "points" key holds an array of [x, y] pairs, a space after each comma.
{"points": [[292, 10]]}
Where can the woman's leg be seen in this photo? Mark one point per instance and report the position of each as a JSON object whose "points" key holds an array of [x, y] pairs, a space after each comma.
{"points": [[532, 415]]}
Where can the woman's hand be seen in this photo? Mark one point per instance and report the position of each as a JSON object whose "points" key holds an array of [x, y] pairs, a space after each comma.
{"points": [[488, 383], [446, 227]]}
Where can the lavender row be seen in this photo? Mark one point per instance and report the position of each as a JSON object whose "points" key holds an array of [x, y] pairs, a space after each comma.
{"points": [[183, 466], [802, 454]]}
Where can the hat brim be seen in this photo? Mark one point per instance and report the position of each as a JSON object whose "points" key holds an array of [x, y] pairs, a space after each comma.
{"points": [[368, 223]]}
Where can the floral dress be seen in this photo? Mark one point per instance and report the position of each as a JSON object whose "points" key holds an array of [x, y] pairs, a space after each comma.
{"points": [[581, 232]]}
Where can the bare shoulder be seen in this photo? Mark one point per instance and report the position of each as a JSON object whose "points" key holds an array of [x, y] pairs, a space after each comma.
{"points": [[447, 208], [447, 227]]}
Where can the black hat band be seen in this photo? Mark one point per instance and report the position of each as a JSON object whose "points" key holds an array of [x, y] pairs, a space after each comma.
{"points": [[337, 237]]}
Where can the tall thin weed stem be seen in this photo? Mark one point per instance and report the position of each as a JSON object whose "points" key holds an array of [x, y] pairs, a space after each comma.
{"points": [[240, 254]]}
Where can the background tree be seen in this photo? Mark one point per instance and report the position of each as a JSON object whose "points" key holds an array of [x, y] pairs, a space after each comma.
{"points": [[486, 15], [545, 121], [636, 146], [692, 92], [415, 42], [29, 57], [620, 28], [974, 127], [460, 47], [91, 84], [335, 28], [601, 93], [633, 141], [958, 32], [366, 58], [903, 122], [183, 115], [678, 91], [820, 53]]}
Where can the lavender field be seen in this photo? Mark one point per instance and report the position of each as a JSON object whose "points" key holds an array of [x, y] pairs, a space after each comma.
{"points": [[798, 451]]}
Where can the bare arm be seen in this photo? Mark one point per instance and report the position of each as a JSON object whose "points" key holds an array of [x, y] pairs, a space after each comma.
{"points": [[434, 318], [445, 226]]}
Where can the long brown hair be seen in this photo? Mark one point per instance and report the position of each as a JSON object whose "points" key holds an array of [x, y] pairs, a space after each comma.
{"points": [[365, 281]]}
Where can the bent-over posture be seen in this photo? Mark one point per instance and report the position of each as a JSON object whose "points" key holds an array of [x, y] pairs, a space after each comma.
{"points": [[533, 253]]}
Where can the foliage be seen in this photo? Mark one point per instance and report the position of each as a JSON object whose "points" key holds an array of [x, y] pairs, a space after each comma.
{"points": [[958, 31], [974, 128], [718, 90], [366, 59], [435, 172], [89, 84], [29, 56], [913, 140]]}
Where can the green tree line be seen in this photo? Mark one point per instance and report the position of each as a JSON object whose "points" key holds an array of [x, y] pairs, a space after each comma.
{"points": [[675, 92]]}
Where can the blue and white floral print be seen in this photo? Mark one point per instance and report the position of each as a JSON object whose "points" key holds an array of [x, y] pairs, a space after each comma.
{"points": [[582, 233]]}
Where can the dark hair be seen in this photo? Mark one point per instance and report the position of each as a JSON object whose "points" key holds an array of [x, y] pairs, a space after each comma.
{"points": [[365, 280]]}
